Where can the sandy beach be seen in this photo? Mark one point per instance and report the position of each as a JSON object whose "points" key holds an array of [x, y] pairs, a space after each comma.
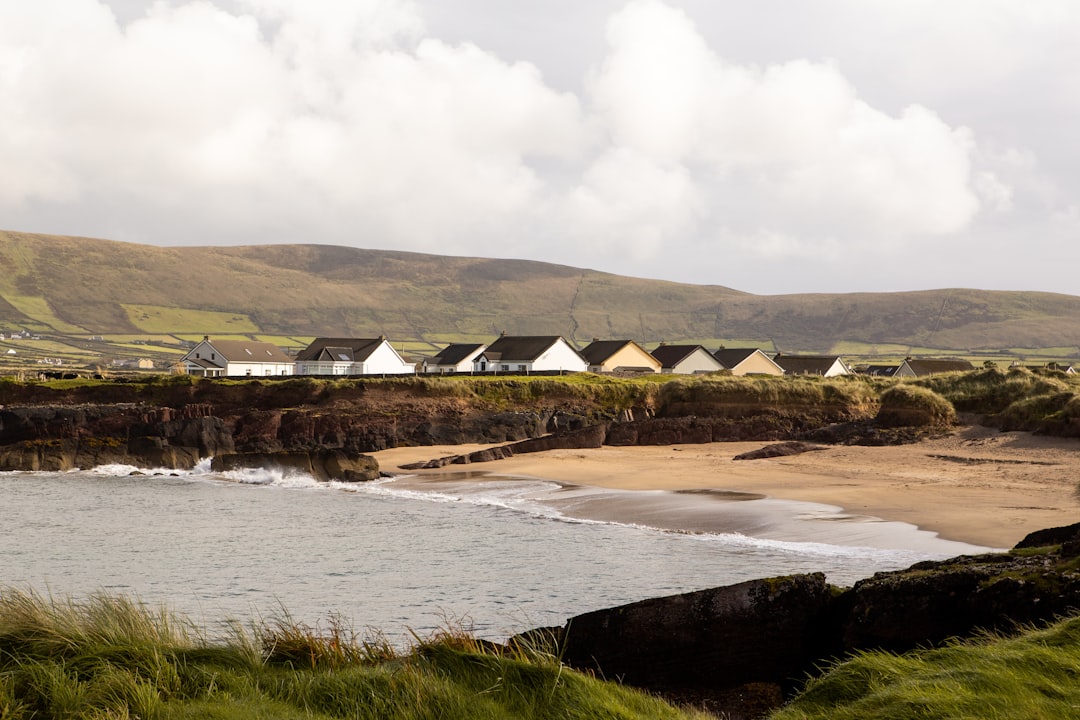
{"points": [[978, 485]]}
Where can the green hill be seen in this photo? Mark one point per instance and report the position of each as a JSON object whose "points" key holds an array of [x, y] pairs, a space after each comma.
{"points": [[68, 286]]}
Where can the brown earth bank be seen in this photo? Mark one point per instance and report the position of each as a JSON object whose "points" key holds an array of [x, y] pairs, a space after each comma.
{"points": [[743, 650]]}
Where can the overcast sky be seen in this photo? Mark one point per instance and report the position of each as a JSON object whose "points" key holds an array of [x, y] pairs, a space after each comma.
{"points": [[772, 146]]}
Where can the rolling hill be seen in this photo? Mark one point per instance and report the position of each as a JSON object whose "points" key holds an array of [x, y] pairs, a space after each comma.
{"points": [[72, 286]]}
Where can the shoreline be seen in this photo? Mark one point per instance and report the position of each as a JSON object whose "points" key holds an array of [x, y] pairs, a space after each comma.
{"points": [[977, 486]]}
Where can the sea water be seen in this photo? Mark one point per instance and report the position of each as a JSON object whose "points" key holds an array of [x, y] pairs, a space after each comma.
{"points": [[497, 555]]}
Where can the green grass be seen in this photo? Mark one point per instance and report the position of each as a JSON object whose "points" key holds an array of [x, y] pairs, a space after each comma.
{"points": [[39, 309], [1034, 676], [853, 392], [159, 319], [992, 390], [110, 657]]}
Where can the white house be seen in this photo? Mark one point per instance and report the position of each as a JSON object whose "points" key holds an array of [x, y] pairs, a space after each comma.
{"points": [[530, 354], [455, 358], [823, 365], [236, 358], [352, 356], [686, 359], [916, 367]]}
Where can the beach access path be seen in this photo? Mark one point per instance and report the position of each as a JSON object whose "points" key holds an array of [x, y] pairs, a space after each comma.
{"points": [[977, 485]]}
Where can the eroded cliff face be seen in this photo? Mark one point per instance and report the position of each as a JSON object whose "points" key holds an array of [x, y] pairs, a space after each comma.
{"points": [[174, 424], [59, 438]]}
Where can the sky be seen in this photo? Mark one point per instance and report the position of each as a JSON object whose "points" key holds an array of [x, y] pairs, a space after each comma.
{"points": [[778, 146]]}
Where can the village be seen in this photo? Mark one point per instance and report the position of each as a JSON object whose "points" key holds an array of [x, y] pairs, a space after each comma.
{"points": [[531, 355]]}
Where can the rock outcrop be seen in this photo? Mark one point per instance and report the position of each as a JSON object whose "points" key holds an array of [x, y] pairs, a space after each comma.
{"points": [[323, 465]]}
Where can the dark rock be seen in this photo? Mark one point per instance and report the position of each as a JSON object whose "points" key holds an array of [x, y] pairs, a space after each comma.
{"points": [[700, 643], [779, 450], [1050, 536], [932, 602], [322, 465]]}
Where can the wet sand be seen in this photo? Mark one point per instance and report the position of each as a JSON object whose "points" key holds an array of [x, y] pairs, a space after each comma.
{"points": [[977, 486]]}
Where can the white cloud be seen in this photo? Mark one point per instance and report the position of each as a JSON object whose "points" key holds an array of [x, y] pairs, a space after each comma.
{"points": [[348, 121], [799, 129]]}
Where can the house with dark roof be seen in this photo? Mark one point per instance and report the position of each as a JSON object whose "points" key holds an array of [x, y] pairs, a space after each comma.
{"points": [[236, 358], [915, 367], [1051, 367], [685, 360], [352, 356], [747, 361], [522, 354], [822, 365], [880, 370], [608, 356], [454, 358]]}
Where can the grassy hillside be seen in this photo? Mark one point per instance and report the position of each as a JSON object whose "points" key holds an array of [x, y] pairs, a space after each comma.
{"points": [[78, 286]]}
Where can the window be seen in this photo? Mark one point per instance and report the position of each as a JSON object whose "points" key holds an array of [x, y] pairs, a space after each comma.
{"points": [[522, 368]]}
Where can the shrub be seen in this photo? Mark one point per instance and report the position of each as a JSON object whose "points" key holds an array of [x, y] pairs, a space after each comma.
{"points": [[906, 405]]}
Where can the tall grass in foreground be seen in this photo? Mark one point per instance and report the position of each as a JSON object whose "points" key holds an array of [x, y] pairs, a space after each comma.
{"points": [[1034, 676], [110, 657]]}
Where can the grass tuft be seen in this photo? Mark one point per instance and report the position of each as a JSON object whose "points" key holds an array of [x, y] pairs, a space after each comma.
{"points": [[111, 657], [1035, 675]]}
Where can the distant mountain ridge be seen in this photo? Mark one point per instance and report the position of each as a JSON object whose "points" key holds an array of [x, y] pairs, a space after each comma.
{"points": [[83, 285]]}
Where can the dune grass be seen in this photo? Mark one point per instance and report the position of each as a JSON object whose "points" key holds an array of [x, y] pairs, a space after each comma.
{"points": [[852, 392], [111, 657], [908, 404], [1033, 676]]}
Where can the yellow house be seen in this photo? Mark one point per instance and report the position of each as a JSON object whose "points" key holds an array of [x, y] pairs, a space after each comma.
{"points": [[605, 356], [747, 361]]}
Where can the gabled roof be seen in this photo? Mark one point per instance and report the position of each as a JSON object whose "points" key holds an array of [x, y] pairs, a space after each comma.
{"points": [[881, 370], [807, 364], [339, 349], [456, 352], [671, 355], [731, 357], [931, 367], [204, 363], [598, 351], [249, 351], [511, 348]]}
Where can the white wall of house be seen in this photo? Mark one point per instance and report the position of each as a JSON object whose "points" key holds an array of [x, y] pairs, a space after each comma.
{"points": [[386, 360], [699, 361], [837, 368], [256, 369], [560, 356]]}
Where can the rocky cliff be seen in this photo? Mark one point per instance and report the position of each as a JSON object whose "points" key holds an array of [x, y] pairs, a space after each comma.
{"points": [[174, 423]]}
